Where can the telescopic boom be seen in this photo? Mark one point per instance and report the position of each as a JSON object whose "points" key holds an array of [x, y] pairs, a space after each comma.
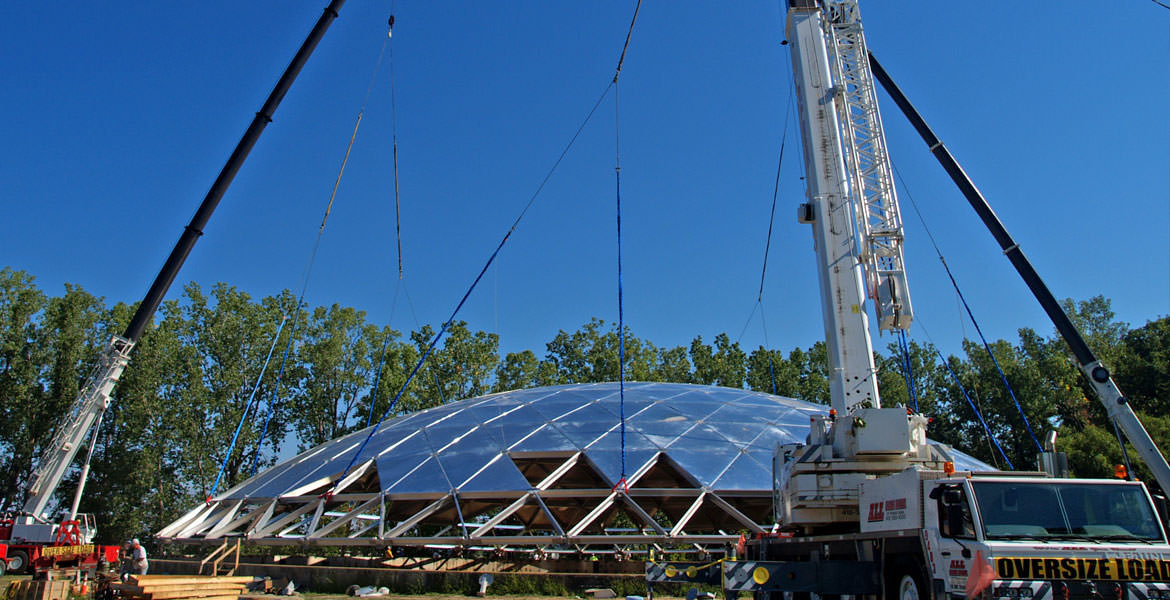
{"points": [[86, 413], [1107, 391]]}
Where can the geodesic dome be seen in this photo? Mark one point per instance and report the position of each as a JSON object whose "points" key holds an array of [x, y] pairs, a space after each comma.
{"points": [[530, 467]]}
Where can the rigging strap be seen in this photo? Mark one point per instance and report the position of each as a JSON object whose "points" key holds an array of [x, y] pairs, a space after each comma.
{"points": [[394, 138], [978, 414], [312, 257], [904, 348], [247, 409], [474, 283], [991, 354], [621, 317], [963, 301]]}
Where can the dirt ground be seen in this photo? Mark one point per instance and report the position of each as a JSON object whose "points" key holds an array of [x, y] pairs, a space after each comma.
{"points": [[432, 597], [4, 581]]}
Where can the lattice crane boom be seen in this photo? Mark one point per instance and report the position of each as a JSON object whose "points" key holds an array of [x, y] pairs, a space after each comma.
{"points": [[852, 206]]}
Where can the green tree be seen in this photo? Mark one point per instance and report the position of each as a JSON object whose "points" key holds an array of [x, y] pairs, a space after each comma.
{"points": [[22, 361], [137, 483], [1144, 375], [335, 367], [520, 370], [230, 334], [397, 358], [590, 354], [462, 366], [673, 365], [724, 365], [768, 371]]}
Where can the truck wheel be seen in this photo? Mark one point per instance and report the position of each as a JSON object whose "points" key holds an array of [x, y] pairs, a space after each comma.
{"points": [[18, 562], [904, 581]]}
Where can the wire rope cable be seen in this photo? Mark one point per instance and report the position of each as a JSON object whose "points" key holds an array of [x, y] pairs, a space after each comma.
{"points": [[394, 139], [305, 277], [907, 368], [971, 315], [515, 224], [966, 396], [621, 315], [247, 408]]}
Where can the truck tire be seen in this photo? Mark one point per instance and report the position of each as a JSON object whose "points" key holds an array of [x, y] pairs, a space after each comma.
{"points": [[905, 581], [18, 562]]}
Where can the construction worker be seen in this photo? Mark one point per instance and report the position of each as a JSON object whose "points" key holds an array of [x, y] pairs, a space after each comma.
{"points": [[138, 560], [126, 559]]}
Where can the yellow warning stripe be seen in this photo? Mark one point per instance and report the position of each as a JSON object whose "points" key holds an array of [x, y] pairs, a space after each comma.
{"points": [[1111, 569], [67, 550]]}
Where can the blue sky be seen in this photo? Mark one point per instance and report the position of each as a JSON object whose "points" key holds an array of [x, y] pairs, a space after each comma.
{"points": [[116, 118]]}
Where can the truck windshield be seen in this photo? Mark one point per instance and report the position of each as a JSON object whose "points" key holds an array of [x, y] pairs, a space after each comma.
{"points": [[1048, 510]]}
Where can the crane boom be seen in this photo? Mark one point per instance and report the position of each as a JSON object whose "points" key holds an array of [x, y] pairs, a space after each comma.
{"points": [[853, 208], [835, 232], [857, 232], [1116, 405], [94, 399]]}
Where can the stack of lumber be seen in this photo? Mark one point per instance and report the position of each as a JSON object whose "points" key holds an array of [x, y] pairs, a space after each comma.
{"points": [[182, 587], [38, 590]]}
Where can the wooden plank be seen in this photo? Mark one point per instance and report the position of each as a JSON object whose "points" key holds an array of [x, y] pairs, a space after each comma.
{"points": [[146, 580], [39, 590], [54, 590], [201, 593], [154, 589]]}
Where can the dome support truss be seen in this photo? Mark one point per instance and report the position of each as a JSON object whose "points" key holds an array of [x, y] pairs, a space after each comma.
{"points": [[530, 470], [376, 519]]}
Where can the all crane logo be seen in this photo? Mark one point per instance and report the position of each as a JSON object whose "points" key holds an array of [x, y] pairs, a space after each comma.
{"points": [[891, 510]]}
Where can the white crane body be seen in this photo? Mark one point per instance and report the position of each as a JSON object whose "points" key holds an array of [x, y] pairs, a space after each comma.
{"points": [[866, 507]]}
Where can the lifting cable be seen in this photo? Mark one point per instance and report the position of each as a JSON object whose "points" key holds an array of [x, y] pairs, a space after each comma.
{"points": [[247, 409], [768, 242], [759, 305], [475, 282], [382, 359], [621, 317], [963, 390], [904, 347], [970, 314], [397, 216], [394, 136], [312, 257]]}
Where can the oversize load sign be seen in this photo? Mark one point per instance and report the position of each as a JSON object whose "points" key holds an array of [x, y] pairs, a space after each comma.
{"points": [[67, 550], [1114, 569]]}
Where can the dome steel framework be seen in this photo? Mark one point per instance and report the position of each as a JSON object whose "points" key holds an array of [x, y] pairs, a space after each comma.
{"points": [[536, 467]]}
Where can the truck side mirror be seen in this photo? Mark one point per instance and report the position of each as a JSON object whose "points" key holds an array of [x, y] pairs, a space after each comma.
{"points": [[950, 509], [954, 520]]}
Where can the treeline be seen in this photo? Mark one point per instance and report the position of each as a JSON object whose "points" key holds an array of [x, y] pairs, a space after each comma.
{"points": [[176, 408]]}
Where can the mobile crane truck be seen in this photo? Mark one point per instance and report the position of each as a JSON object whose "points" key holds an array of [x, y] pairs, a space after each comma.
{"points": [[34, 540], [868, 507]]}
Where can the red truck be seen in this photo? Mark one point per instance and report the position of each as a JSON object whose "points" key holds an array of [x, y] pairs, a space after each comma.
{"points": [[68, 545]]}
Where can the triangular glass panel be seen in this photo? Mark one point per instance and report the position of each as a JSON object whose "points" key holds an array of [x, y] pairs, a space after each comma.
{"points": [[463, 458], [704, 462], [665, 473], [427, 478], [745, 474], [500, 475], [546, 438]]}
